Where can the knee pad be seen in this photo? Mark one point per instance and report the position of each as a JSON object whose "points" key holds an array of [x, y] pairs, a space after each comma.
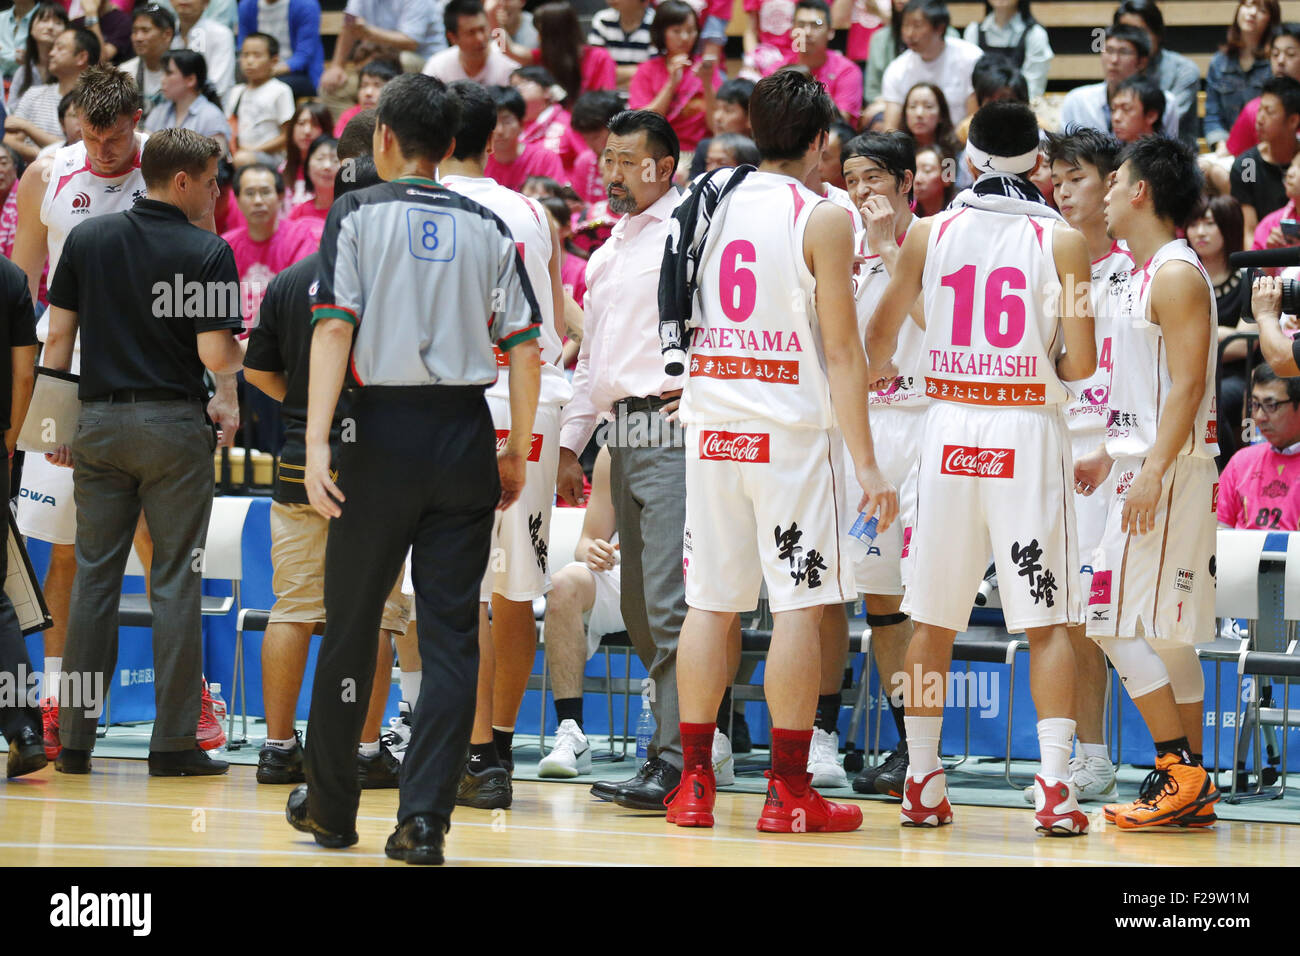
{"points": [[885, 620], [1185, 674], [1138, 665]]}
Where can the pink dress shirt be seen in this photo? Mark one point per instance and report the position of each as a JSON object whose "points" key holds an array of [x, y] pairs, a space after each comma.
{"points": [[620, 355]]}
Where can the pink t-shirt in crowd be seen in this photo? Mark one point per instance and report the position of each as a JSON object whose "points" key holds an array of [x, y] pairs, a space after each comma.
{"points": [[1260, 488], [531, 161], [308, 210], [1243, 135], [862, 28], [587, 180], [553, 132], [346, 118], [573, 274], [598, 70], [773, 20], [842, 79], [259, 262], [1269, 223], [686, 109]]}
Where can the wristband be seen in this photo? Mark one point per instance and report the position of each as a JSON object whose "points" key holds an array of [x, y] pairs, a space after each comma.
{"points": [[92, 21]]}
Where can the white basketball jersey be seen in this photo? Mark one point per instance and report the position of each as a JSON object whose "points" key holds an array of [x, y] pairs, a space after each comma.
{"points": [[76, 193], [842, 199], [868, 289], [1140, 381], [993, 333], [1087, 410], [527, 222], [755, 350]]}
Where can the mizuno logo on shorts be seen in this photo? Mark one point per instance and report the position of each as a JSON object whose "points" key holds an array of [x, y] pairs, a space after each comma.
{"points": [[734, 446], [534, 453], [978, 462]]}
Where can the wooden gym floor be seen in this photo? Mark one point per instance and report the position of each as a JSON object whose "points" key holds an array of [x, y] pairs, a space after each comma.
{"points": [[119, 815]]}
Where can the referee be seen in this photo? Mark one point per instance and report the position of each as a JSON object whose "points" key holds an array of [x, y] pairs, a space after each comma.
{"points": [[417, 284]]}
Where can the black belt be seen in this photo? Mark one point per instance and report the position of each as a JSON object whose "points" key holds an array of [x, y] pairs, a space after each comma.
{"points": [[144, 395], [647, 403]]}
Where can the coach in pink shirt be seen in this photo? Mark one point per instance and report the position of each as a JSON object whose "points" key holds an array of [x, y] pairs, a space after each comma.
{"points": [[842, 77], [620, 370], [1260, 488]]}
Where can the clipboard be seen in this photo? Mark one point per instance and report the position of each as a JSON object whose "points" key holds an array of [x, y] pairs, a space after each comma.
{"points": [[21, 586], [52, 416]]}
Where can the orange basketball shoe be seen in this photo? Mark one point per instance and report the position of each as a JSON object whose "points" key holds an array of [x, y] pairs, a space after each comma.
{"points": [[690, 804], [1174, 794], [786, 811], [925, 800], [1056, 810]]}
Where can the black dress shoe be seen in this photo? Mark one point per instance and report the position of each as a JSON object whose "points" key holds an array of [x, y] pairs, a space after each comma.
{"points": [[379, 772], [661, 778], [487, 790], [72, 761], [280, 766], [418, 839], [26, 753], [606, 789], [185, 763], [295, 811]]}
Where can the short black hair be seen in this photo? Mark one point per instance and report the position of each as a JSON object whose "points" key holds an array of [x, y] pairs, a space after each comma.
{"points": [[595, 108], [787, 113], [993, 73], [537, 74], [934, 11], [1291, 30], [670, 13], [381, 70], [736, 91], [1004, 128], [358, 137], [1122, 31], [272, 44], [66, 102], [821, 6], [1263, 375], [558, 208], [1084, 144], [456, 9], [87, 43], [1148, 11], [159, 15], [843, 131], [356, 173], [421, 114], [1169, 169], [1286, 90], [894, 152], [478, 118], [509, 98], [660, 138], [741, 147], [1149, 95], [243, 170]]}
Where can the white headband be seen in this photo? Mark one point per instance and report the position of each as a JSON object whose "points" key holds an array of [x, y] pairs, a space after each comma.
{"points": [[987, 163]]}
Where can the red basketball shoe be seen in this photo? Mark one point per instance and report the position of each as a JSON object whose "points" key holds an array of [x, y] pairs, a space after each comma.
{"points": [[690, 804], [925, 800], [210, 734], [1056, 810], [806, 812], [50, 727]]}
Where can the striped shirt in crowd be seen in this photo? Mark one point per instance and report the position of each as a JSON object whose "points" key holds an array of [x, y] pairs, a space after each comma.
{"points": [[626, 49]]}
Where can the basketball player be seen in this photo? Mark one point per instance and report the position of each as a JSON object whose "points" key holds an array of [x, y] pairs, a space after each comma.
{"points": [[878, 172], [774, 362], [994, 462], [94, 177], [1153, 582], [518, 571], [1081, 165]]}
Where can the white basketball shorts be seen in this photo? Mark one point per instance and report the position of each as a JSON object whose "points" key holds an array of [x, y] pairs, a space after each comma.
{"points": [[1090, 510]]}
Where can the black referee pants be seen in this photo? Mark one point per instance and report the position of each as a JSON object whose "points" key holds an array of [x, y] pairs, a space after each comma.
{"points": [[422, 474]]}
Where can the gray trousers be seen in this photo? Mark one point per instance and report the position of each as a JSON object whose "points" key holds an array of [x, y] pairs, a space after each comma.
{"points": [[648, 486], [128, 456]]}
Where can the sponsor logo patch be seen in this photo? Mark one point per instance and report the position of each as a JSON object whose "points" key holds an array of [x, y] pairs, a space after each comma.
{"points": [[534, 453], [1100, 591], [1214, 498], [978, 462], [1183, 581], [746, 447]]}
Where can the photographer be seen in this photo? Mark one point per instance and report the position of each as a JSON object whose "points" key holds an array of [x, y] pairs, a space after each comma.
{"points": [[1267, 301]]}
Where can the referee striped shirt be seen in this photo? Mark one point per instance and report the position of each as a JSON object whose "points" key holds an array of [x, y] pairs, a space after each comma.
{"points": [[431, 279]]}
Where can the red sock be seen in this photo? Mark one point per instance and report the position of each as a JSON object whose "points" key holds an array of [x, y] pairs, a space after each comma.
{"points": [[697, 745], [790, 756]]}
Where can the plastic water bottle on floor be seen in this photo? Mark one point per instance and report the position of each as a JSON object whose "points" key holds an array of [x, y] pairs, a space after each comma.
{"points": [[645, 729], [862, 535], [218, 704]]}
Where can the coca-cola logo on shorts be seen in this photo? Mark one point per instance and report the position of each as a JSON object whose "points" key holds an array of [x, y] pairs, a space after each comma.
{"points": [[534, 450], [734, 446], [978, 462]]}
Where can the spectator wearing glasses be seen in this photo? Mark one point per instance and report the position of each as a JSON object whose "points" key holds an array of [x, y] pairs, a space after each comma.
{"points": [[1127, 52], [1169, 70], [1260, 488]]}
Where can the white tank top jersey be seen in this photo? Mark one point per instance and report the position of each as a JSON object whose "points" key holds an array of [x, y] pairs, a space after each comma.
{"points": [[1087, 411], [1140, 381], [527, 222], [755, 350], [842, 199], [869, 284], [993, 333], [76, 193]]}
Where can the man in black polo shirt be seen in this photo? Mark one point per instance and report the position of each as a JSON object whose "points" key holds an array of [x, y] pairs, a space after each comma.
{"points": [[19, 722], [157, 300]]}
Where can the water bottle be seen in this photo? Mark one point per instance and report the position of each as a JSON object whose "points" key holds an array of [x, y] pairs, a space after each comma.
{"points": [[645, 729], [861, 536], [218, 705]]}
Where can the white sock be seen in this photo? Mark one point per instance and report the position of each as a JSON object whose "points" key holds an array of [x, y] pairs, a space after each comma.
{"points": [[1093, 750], [368, 750], [53, 666], [923, 735], [1055, 741], [282, 744], [410, 684]]}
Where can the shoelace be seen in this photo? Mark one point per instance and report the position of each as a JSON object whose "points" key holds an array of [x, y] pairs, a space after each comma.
{"points": [[1155, 785]]}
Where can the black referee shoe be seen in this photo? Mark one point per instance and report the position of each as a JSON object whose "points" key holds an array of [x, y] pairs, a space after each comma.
{"points": [[295, 811], [418, 839], [281, 766], [379, 772], [489, 790], [890, 771], [185, 763], [26, 753]]}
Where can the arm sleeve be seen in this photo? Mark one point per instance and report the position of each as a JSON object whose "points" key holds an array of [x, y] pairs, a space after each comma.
{"points": [[641, 90], [1239, 188], [283, 103], [593, 37], [339, 294], [63, 287], [219, 271], [1214, 126], [518, 318], [221, 60], [414, 20], [578, 420], [247, 20], [877, 60], [264, 341], [304, 34], [22, 325], [604, 72], [848, 91], [1242, 135], [891, 84], [1229, 510], [1038, 60]]}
